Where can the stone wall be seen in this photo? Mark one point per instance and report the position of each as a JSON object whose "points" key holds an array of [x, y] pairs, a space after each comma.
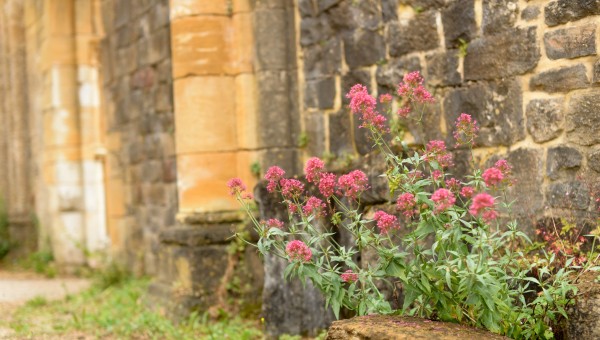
{"points": [[140, 128], [526, 70]]}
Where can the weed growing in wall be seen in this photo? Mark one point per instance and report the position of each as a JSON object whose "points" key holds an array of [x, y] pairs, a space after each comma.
{"points": [[451, 246], [5, 243]]}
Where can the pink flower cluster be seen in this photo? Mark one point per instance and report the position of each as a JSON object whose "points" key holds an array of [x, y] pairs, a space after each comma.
{"points": [[466, 130], [327, 184], [353, 183], [236, 186], [274, 223], [291, 188], [443, 199], [274, 175], [298, 251], [453, 184], [361, 102], [385, 221], [497, 174], [436, 151], [314, 167], [349, 276], [313, 206], [467, 192], [412, 89], [406, 204], [483, 203]]}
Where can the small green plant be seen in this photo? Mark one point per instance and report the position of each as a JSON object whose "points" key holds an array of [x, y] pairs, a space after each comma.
{"points": [[303, 139], [463, 45], [5, 243], [42, 262], [110, 275], [255, 169], [37, 301], [442, 241]]}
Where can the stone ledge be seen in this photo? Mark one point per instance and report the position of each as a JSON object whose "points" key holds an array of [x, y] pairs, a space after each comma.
{"points": [[382, 327]]}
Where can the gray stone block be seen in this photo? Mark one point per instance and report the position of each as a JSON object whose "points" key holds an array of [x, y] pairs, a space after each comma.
{"points": [[418, 34], [442, 68], [568, 195], [563, 11], [571, 42], [545, 119], [458, 19], [583, 119], [363, 48], [562, 79], [562, 159], [502, 55], [499, 15]]}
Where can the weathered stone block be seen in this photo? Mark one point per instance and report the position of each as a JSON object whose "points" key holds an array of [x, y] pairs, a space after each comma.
{"points": [[568, 195], [274, 107], [528, 175], [510, 53], [366, 14], [315, 132], [389, 10], [271, 33], [307, 8], [584, 314], [583, 119], [530, 12], [423, 4], [571, 42], [545, 119], [418, 34], [594, 160], [562, 159], [459, 22], [363, 48], [320, 93], [352, 78], [380, 327], [323, 59], [563, 79], [497, 107], [340, 133], [563, 11], [499, 15], [442, 68], [390, 74], [326, 4], [314, 30], [596, 72]]}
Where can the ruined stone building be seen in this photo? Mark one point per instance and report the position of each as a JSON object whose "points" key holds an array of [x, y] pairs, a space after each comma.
{"points": [[121, 121]]}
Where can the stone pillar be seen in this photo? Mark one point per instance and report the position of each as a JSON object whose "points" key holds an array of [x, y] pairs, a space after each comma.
{"points": [[17, 196], [214, 87]]}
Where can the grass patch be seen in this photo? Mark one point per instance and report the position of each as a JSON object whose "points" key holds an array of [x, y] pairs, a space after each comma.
{"points": [[120, 311]]}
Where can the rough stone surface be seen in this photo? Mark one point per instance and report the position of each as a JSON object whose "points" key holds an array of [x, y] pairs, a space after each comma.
{"points": [[568, 195], [364, 48], [418, 34], [563, 79], [442, 68], [496, 106], [323, 59], [561, 159], [340, 132], [545, 119], [563, 11], [583, 119], [530, 12], [379, 327], [527, 173], [458, 19], [594, 160], [596, 72], [584, 315], [320, 93], [288, 306], [314, 30], [390, 74], [509, 53], [571, 42], [499, 15]]}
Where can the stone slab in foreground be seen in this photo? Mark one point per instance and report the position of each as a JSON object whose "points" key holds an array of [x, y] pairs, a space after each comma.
{"points": [[384, 327]]}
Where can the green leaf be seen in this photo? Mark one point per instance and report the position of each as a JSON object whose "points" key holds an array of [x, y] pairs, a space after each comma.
{"points": [[424, 229]]}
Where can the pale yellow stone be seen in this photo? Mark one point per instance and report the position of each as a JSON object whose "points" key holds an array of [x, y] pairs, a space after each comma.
{"points": [[245, 109], [200, 45], [242, 49], [183, 8], [115, 197], [57, 51], [58, 18], [205, 114], [241, 6], [202, 181]]}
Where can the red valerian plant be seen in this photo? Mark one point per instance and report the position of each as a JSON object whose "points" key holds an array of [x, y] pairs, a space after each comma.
{"points": [[446, 246]]}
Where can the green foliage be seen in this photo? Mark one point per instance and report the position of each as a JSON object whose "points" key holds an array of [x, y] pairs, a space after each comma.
{"points": [[455, 262], [120, 311], [5, 243], [462, 47], [303, 139], [255, 169], [42, 262], [110, 275]]}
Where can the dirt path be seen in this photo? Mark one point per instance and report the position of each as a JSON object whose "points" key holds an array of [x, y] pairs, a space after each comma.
{"points": [[16, 288]]}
